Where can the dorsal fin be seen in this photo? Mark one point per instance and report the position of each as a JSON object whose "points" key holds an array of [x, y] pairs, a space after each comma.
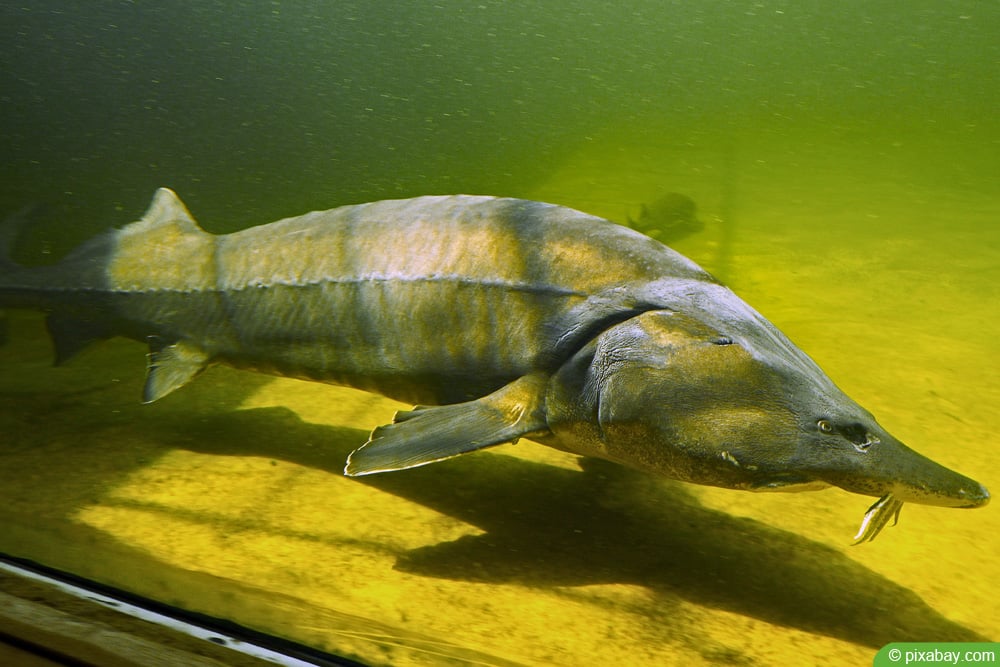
{"points": [[166, 209]]}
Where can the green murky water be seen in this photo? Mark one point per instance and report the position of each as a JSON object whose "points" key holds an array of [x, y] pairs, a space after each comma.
{"points": [[844, 162]]}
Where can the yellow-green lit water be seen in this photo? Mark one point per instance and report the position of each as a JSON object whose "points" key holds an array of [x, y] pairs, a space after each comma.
{"points": [[844, 160], [227, 498]]}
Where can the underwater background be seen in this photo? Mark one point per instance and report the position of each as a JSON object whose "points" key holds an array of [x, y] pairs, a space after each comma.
{"points": [[845, 162]]}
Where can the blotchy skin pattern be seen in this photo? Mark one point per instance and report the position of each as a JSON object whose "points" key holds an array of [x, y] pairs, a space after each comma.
{"points": [[427, 300], [517, 318]]}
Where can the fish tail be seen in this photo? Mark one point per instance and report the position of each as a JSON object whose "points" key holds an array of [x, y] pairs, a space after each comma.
{"points": [[13, 274], [10, 231], [25, 285], [70, 291]]}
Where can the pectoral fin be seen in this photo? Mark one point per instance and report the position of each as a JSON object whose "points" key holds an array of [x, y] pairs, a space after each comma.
{"points": [[429, 434], [171, 367]]}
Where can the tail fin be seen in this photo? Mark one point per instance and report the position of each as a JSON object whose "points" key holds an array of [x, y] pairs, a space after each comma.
{"points": [[10, 230]]}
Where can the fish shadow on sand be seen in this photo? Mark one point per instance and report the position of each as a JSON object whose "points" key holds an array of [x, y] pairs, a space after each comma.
{"points": [[551, 527], [543, 526]]}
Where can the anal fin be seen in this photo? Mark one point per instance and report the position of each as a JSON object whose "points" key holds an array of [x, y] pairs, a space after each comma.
{"points": [[171, 367], [429, 434]]}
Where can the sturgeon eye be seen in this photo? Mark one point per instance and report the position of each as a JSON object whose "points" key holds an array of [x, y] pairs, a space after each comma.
{"points": [[824, 426]]}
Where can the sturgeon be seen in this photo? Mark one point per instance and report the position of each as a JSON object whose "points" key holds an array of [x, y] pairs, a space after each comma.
{"points": [[501, 318]]}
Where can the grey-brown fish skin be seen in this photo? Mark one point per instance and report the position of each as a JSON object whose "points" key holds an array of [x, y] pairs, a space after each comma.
{"points": [[516, 318]]}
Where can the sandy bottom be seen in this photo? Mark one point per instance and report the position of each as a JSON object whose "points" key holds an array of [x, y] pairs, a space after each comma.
{"points": [[227, 498]]}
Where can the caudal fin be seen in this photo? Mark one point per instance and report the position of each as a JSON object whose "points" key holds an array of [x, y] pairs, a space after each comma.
{"points": [[10, 230]]}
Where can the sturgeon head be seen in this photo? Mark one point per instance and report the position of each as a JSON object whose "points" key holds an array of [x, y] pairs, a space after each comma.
{"points": [[726, 400]]}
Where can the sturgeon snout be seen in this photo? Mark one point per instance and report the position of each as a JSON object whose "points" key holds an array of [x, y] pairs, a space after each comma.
{"points": [[897, 474]]}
